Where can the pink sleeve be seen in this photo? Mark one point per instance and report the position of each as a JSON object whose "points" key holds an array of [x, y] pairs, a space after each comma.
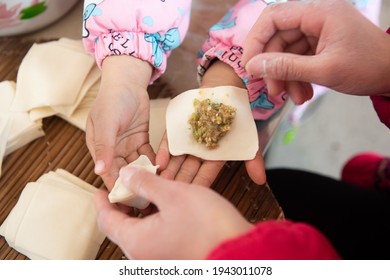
{"points": [[226, 41], [146, 30], [277, 240]]}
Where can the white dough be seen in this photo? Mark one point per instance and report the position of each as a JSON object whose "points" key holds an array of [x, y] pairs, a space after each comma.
{"points": [[122, 195], [51, 74], [158, 108], [54, 219], [240, 143]]}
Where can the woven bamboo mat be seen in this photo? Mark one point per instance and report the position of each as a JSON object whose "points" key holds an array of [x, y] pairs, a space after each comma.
{"points": [[63, 146]]}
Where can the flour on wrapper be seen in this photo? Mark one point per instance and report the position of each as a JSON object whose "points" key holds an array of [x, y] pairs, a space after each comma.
{"points": [[240, 143], [120, 194]]}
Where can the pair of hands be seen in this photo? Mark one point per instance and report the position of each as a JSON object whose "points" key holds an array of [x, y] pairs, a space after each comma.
{"points": [[192, 219], [117, 133], [323, 42], [118, 125]]}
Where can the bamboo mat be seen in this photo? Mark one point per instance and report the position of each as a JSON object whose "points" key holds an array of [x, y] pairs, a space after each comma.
{"points": [[63, 146]]}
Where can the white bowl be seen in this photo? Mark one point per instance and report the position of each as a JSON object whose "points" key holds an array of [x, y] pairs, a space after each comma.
{"points": [[24, 16]]}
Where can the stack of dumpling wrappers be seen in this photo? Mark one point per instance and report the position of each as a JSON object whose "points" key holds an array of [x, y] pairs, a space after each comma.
{"points": [[54, 78], [54, 217]]}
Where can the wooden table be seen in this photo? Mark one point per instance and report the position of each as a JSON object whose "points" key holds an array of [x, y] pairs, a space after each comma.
{"points": [[63, 145]]}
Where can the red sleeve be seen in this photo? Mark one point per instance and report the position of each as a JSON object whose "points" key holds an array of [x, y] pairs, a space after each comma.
{"points": [[382, 108], [277, 240], [382, 105]]}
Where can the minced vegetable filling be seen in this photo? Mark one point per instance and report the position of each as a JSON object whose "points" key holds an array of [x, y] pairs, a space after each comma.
{"points": [[211, 121]]}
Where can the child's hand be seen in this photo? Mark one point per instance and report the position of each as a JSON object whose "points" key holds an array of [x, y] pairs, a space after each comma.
{"points": [[118, 124], [180, 223], [192, 169], [186, 168]]}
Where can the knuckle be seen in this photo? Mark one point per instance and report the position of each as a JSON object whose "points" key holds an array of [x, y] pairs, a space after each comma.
{"points": [[204, 180]]}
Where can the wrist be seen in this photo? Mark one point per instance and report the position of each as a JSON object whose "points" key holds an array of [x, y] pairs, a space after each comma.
{"points": [[221, 74], [124, 69]]}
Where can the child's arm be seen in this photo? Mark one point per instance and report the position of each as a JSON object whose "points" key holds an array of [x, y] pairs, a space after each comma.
{"points": [[225, 43], [130, 41], [220, 64]]}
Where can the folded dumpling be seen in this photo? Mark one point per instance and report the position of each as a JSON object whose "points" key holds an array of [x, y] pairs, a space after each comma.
{"points": [[122, 195]]}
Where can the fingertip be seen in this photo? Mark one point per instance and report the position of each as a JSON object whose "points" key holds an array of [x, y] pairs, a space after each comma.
{"points": [[299, 92], [252, 66], [163, 155], [259, 179], [256, 169], [162, 159], [104, 156], [146, 184], [126, 174], [245, 59], [134, 179], [100, 167]]}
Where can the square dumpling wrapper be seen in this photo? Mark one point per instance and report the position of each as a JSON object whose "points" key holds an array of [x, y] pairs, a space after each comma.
{"points": [[54, 219], [240, 143]]}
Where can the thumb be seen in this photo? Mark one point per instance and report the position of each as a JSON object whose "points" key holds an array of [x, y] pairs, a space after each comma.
{"points": [[150, 186], [284, 67]]}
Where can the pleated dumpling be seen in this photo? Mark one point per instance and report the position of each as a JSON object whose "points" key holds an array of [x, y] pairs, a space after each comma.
{"points": [[120, 194]]}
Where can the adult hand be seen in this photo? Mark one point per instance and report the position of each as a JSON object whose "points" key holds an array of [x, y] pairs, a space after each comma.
{"points": [[118, 124], [180, 223], [188, 168], [328, 42]]}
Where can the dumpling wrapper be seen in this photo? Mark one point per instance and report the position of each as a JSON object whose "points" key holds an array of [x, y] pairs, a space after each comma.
{"points": [[16, 128], [240, 143], [54, 219], [120, 194], [7, 89], [80, 115], [89, 83], [50, 74]]}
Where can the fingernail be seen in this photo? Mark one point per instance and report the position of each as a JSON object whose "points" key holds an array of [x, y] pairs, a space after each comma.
{"points": [[99, 167]]}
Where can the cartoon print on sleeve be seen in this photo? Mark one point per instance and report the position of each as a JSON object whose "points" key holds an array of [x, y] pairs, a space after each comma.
{"points": [[262, 100], [89, 10], [272, 2], [167, 42], [225, 23]]}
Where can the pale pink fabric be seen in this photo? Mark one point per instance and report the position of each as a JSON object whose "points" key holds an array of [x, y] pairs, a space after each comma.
{"points": [[148, 30], [226, 41]]}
